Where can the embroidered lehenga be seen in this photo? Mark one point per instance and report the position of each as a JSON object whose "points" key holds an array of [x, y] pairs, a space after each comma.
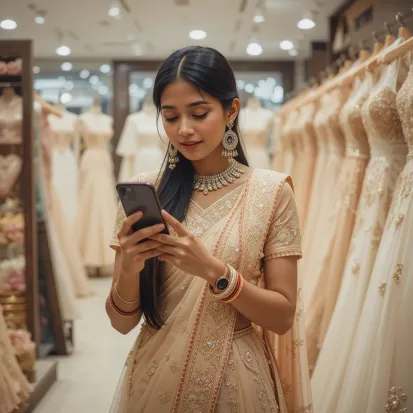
{"points": [[196, 362]]}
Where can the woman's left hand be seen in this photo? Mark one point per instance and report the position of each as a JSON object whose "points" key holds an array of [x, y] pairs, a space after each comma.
{"points": [[187, 252]]}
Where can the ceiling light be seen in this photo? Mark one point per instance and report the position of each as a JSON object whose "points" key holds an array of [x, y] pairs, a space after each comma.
{"points": [[63, 50], [103, 90], [197, 34], [293, 52], [259, 18], [249, 87], [105, 68], [39, 19], [114, 11], [254, 49], [84, 74], [240, 84], [66, 66], [148, 83], [94, 80], [305, 24], [36, 70], [66, 97], [286, 45], [8, 24], [69, 85]]}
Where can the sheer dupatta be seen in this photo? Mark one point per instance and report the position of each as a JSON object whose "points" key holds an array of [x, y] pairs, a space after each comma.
{"points": [[180, 368]]}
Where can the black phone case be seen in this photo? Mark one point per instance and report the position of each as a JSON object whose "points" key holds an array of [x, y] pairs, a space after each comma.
{"points": [[141, 197]]}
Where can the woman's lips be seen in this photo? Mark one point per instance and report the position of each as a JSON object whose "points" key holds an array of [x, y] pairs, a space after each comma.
{"points": [[191, 145]]}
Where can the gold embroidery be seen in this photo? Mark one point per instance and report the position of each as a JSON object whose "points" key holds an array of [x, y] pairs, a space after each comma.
{"points": [[175, 367], [398, 273], [355, 268], [184, 328], [296, 345], [376, 235], [290, 253], [287, 387], [298, 315], [151, 370], [399, 220], [164, 397], [407, 185], [396, 400], [248, 356], [382, 288]]}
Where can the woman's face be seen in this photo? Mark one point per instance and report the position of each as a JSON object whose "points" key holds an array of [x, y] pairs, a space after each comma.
{"points": [[194, 122]]}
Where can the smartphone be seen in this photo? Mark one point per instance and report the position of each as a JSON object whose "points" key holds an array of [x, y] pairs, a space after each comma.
{"points": [[136, 196]]}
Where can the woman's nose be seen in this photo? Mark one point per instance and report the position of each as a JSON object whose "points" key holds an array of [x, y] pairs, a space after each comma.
{"points": [[185, 128]]}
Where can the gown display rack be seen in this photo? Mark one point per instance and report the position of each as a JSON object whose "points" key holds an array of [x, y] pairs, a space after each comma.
{"points": [[22, 308]]}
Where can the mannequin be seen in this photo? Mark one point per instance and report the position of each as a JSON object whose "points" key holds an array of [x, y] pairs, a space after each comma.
{"points": [[11, 115], [140, 146], [97, 201], [256, 123], [64, 160]]}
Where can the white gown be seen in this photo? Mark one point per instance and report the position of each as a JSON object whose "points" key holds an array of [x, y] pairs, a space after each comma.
{"points": [[64, 163], [97, 197], [255, 125], [349, 391], [140, 146]]}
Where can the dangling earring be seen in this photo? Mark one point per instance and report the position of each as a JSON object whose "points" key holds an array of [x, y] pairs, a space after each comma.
{"points": [[173, 157], [230, 142]]}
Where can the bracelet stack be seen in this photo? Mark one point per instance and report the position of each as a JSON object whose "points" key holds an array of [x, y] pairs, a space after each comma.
{"points": [[122, 313], [234, 288]]}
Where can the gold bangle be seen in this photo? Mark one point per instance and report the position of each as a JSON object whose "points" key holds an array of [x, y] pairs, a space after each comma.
{"points": [[119, 311], [120, 297], [237, 292]]}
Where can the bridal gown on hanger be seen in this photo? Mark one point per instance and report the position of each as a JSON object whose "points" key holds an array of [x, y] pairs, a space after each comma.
{"points": [[97, 198], [317, 193], [340, 361], [11, 116], [389, 286], [64, 162], [14, 387], [276, 144], [287, 143], [306, 165]]}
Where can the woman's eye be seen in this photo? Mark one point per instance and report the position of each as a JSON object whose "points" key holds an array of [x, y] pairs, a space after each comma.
{"points": [[170, 120], [201, 116]]}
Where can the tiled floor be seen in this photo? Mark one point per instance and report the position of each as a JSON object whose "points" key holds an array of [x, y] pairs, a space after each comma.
{"points": [[88, 378]]}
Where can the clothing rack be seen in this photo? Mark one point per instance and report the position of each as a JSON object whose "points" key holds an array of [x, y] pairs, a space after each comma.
{"points": [[399, 21]]}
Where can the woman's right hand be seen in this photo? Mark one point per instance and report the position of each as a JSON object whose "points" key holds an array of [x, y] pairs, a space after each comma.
{"points": [[134, 254]]}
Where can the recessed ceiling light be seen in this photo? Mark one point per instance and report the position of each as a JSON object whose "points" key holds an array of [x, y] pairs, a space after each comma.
{"points": [[94, 80], [36, 70], [8, 24], [66, 66], [305, 24], [63, 50], [286, 45], [39, 19], [249, 87], [105, 68], [254, 49], [84, 74], [197, 34], [66, 97], [259, 18], [114, 11]]}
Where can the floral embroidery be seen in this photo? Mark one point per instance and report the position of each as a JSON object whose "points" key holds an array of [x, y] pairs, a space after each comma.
{"points": [[399, 220], [287, 387], [248, 356], [396, 400], [164, 397], [376, 235], [175, 367], [398, 273], [151, 370]]}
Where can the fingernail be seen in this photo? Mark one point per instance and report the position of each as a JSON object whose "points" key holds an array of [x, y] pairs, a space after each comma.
{"points": [[160, 226], [140, 213]]}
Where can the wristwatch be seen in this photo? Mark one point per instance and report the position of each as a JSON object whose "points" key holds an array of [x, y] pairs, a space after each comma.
{"points": [[222, 283]]}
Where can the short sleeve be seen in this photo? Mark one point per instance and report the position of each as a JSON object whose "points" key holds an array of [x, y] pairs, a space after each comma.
{"points": [[284, 237], [120, 217]]}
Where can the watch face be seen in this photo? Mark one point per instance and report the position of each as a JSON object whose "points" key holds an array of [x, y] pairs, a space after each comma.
{"points": [[222, 284]]}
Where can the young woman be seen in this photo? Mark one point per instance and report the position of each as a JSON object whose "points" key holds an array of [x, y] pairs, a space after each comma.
{"points": [[222, 327]]}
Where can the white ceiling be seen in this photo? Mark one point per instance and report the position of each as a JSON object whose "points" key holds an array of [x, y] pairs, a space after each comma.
{"points": [[158, 27]]}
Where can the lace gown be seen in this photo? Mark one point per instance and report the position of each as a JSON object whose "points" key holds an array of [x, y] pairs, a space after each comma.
{"points": [[340, 222], [97, 199], [14, 387], [350, 328], [306, 166], [11, 116]]}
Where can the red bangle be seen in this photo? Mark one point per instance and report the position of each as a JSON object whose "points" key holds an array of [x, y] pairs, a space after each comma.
{"points": [[237, 290], [118, 310]]}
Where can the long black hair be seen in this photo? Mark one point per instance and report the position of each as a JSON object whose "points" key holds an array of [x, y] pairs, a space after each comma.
{"points": [[209, 71]]}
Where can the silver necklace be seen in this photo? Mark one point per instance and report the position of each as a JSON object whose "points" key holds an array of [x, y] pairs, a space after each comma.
{"points": [[211, 183]]}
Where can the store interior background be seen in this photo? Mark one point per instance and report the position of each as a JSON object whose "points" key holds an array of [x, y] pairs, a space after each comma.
{"points": [[112, 50]]}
